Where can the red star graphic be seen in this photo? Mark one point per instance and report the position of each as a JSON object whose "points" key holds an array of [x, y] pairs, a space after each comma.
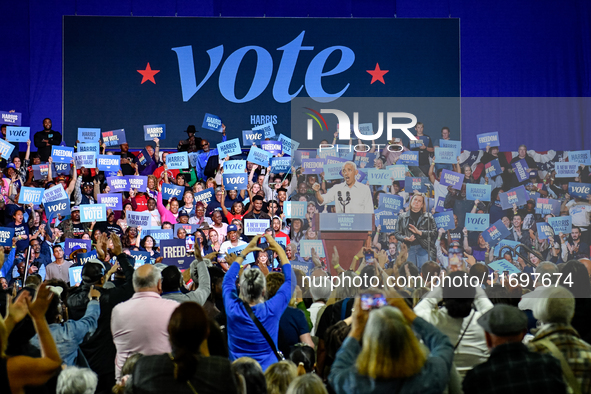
{"points": [[377, 74], [148, 74]]}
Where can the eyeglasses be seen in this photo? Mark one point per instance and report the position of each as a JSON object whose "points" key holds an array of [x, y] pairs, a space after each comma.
{"points": [[205, 144]]}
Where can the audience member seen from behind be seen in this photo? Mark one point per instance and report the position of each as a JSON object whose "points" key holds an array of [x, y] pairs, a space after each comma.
{"points": [[279, 376]]}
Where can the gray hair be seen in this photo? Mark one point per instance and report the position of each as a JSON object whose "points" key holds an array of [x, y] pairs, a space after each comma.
{"points": [[546, 269], [384, 325], [319, 291], [74, 380], [148, 281], [252, 285], [307, 384], [347, 287], [557, 306], [351, 163]]}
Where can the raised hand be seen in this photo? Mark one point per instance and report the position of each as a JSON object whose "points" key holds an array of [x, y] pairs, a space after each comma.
{"points": [[39, 306]]}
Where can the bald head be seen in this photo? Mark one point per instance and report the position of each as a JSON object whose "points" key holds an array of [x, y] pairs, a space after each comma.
{"points": [[147, 278]]}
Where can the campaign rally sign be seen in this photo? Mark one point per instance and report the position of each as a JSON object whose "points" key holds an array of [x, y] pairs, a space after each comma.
{"points": [[174, 252], [365, 128], [420, 141], [268, 130], [177, 161], [119, 184], [193, 158], [379, 177], [18, 133], [6, 149], [439, 207], [140, 258], [325, 152], [445, 220], [234, 166], [90, 147], [249, 259], [503, 265], [152, 131], [138, 182], [332, 172], [451, 178], [258, 156], [493, 168], [236, 181], [281, 165], [62, 154], [312, 166], [365, 159], [388, 223], [70, 243], [205, 196], [409, 158], [485, 139], [108, 163], [517, 195], [495, 233], [250, 137], [6, 235], [138, 219], [507, 242], [416, 183], [83, 258], [112, 201], [212, 122], [295, 209], [302, 154], [561, 224], [86, 160], [288, 145], [390, 202], [55, 193], [88, 135], [256, 226], [189, 228], [581, 190], [398, 171], [158, 234], [380, 213], [11, 118], [580, 156], [40, 172], [144, 157], [520, 168], [61, 168], [273, 147], [456, 145], [30, 195], [58, 207], [170, 190], [229, 148], [478, 192], [545, 206], [446, 155], [75, 275], [476, 221], [334, 160], [566, 169], [93, 213], [307, 245], [361, 175], [114, 137], [545, 231]]}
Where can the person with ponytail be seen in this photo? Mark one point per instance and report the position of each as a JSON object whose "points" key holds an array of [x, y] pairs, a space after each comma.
{"points": [[244, 337], [188, 368]]}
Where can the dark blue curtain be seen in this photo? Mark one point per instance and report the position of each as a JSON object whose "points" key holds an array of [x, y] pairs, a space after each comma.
{"points": [[509, 49]]}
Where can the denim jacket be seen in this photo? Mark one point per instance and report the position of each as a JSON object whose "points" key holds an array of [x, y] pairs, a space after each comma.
{"points": [[70, 335]]}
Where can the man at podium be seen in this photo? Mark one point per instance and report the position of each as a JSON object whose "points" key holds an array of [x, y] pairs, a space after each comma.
{"points": [[349, 196]]}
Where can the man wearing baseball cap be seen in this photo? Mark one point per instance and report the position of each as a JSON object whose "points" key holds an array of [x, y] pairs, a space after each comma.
{"points": [[232, 241], [72, 227], [511, 367]]}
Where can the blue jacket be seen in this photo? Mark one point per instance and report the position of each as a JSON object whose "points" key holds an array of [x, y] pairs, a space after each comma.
{"points": [[433, 378], [244, 338], [69, 336]]}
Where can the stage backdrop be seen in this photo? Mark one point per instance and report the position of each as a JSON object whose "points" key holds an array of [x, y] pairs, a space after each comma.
{"points": [[123, 72]]}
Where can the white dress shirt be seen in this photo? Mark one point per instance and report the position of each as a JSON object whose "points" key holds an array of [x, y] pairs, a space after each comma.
{"points": [[361, 199]]}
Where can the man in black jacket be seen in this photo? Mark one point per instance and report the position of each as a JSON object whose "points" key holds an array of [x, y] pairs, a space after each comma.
{"points": [[417, 229], [99, 348], [45, 139]]}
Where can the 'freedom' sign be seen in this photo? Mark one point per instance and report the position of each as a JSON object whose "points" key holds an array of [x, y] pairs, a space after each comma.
{"points": [[409, 158], [273, 147], [520, 168], [93, 213], [152, 131], [108, 162], [62, 154], [177, 161], [491, 139], [312, 166]]}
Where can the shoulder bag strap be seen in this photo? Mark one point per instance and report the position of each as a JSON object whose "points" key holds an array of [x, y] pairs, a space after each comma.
{"points": [[259, 325], [570, 378]]}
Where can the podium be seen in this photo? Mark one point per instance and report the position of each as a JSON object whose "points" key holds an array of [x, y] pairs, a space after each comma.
{"points": [[347, 231]]}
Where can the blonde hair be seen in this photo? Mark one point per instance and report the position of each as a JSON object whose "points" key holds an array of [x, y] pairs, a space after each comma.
{"points": [[279, 376], [424, 209], [390, 349], [307, 384], [153, 178]]}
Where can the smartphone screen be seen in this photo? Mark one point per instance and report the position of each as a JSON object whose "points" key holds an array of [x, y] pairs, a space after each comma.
{"points": [[372, 301], [369, 257]]}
